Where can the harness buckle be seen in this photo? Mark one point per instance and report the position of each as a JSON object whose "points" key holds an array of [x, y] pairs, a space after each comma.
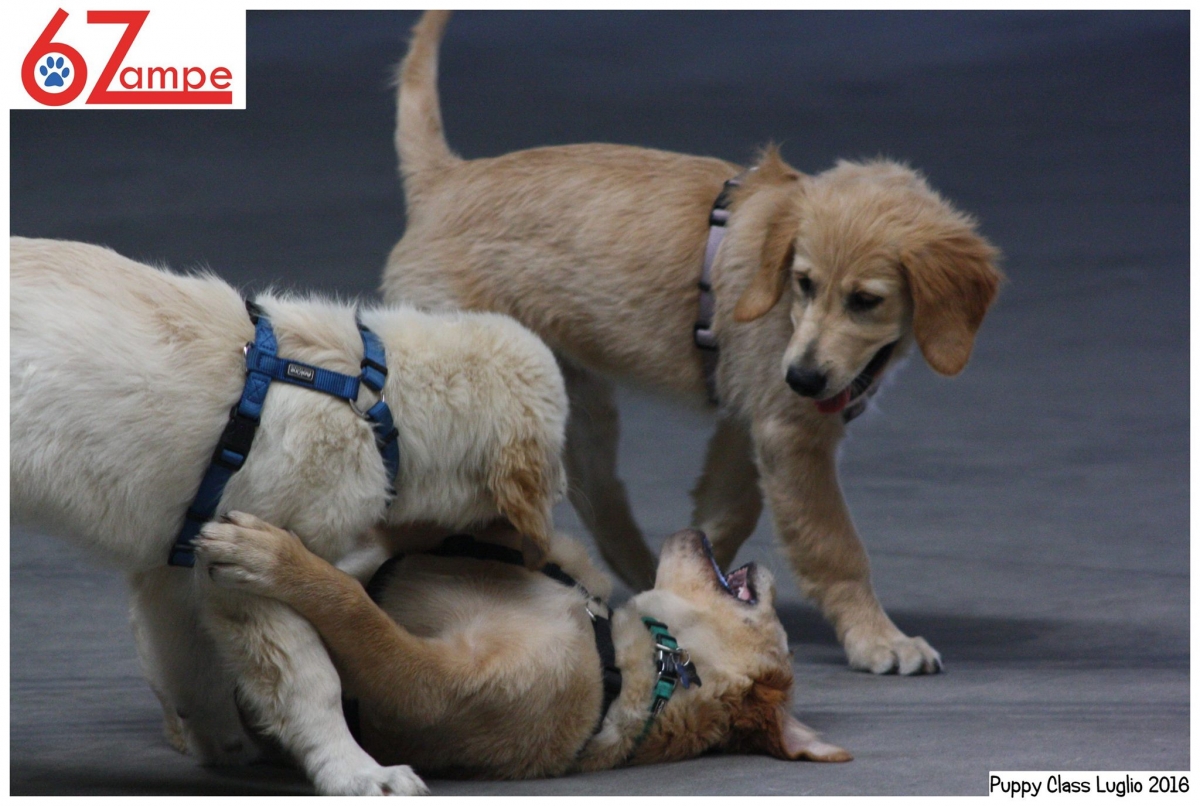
{"points": [[703, 336], [233, 446]]}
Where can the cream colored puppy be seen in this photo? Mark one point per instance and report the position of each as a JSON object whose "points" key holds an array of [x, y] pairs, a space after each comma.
{"points": [[122, 378], [476, 668], [821, 284]]}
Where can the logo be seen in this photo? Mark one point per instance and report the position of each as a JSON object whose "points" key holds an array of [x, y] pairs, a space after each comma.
{"points": [[300, 372], [54, 73], [60, 84]]}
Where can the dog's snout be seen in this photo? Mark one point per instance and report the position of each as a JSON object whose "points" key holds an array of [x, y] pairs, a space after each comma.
{"points": [[806, 382]]}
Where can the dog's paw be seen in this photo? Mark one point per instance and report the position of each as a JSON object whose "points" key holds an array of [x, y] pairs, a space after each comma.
{"points": [[891, 653], [245, 553], [371, 780], [212, 745], [173, 730]]}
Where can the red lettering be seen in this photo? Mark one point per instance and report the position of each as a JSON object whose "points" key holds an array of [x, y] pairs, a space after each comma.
{"points": [[133, 21], [187, 83], [220, 74], [137, 71], [102, 94], [162, 77]]}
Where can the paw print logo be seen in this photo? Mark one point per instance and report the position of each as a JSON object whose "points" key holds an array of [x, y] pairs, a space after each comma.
{"points": [[53, 72]]}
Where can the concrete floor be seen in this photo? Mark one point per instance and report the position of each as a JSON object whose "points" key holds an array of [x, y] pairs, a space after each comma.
{"points": [[1029, 518]]}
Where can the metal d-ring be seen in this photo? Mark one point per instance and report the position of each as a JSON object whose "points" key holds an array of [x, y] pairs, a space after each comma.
{"points": [[354, 406], [591, 601]]}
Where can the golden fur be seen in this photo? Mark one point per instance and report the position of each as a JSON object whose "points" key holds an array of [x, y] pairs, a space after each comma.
{"points": [[481, 669], [597, 248]]}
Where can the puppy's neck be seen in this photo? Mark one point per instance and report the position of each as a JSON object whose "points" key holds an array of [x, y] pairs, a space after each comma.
{"points": [[620, 740]]}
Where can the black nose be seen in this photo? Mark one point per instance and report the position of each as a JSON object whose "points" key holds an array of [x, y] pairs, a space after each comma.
{"points": [[806, 382]]}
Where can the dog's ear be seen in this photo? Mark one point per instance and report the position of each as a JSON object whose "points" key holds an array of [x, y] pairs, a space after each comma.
{"points": [[768, 202], [953, 282], [793, 740], [764, 724], [521, 480]]}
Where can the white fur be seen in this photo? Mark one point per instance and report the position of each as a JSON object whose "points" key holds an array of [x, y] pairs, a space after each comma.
{"points": [[122, 377]]}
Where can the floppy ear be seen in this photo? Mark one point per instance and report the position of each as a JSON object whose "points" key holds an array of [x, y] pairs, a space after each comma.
{"points": [[769, 205], [796, 741], [764, 723], [768, 283], [521, 481], [953, 282], [777, 733]]}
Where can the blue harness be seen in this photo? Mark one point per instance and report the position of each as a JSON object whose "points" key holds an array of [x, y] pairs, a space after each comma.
{"points": [[263, 365]]}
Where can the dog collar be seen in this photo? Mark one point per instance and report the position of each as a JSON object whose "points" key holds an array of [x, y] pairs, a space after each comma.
{"points": [[703, 335], [263, 366], [674, 666]]}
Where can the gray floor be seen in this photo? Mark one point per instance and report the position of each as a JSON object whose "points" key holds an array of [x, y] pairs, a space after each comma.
{"points": [[1029, 518]]}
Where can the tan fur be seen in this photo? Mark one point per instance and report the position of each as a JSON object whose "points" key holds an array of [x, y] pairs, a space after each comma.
{"points": [[952, 286], [597, 248], [481, 669], [767, 198], [427, 146]]}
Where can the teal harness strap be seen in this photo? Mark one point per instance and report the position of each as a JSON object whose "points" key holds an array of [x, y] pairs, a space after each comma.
{"points": [[672, 670]]}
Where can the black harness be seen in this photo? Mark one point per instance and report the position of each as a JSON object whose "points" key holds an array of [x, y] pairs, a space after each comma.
{"points": [[468, 547]]}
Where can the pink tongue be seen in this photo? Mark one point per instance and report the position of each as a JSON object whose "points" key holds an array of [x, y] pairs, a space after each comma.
{"points": [[834, 404]]}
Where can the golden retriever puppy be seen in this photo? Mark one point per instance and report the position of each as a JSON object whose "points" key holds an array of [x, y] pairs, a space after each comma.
{"points": [[122, 377], [819, 284], [479, 668]]}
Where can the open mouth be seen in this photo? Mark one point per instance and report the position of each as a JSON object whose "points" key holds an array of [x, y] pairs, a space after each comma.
{"points": [[739, 584], [860, 386]]}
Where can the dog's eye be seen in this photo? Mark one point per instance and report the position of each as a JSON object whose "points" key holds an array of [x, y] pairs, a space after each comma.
{"points": [[806, 285], [861, 301]]}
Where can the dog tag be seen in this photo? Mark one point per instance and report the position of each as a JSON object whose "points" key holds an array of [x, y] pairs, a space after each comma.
{"points": [[687, 673]]}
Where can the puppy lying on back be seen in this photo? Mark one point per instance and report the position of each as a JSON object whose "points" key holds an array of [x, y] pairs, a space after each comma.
{"points": [[122, 378], [473, 667]]}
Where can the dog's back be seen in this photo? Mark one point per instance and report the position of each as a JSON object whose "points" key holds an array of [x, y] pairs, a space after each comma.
{"points": [[560, 238], [122, 377], [105, 354]]}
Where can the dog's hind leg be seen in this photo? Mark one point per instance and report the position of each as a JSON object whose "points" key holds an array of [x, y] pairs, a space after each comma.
{"points": [[593, 487], [185, 670], [292, 690], [726, 498]]}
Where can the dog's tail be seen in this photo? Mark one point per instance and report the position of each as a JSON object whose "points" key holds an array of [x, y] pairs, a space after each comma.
{"points": [[420, 141]]}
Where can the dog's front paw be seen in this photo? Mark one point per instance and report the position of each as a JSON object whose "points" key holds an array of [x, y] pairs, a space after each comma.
{"points": [[891, 652], [371, 779], [245, 553], [231, 750], [213, 738]]}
